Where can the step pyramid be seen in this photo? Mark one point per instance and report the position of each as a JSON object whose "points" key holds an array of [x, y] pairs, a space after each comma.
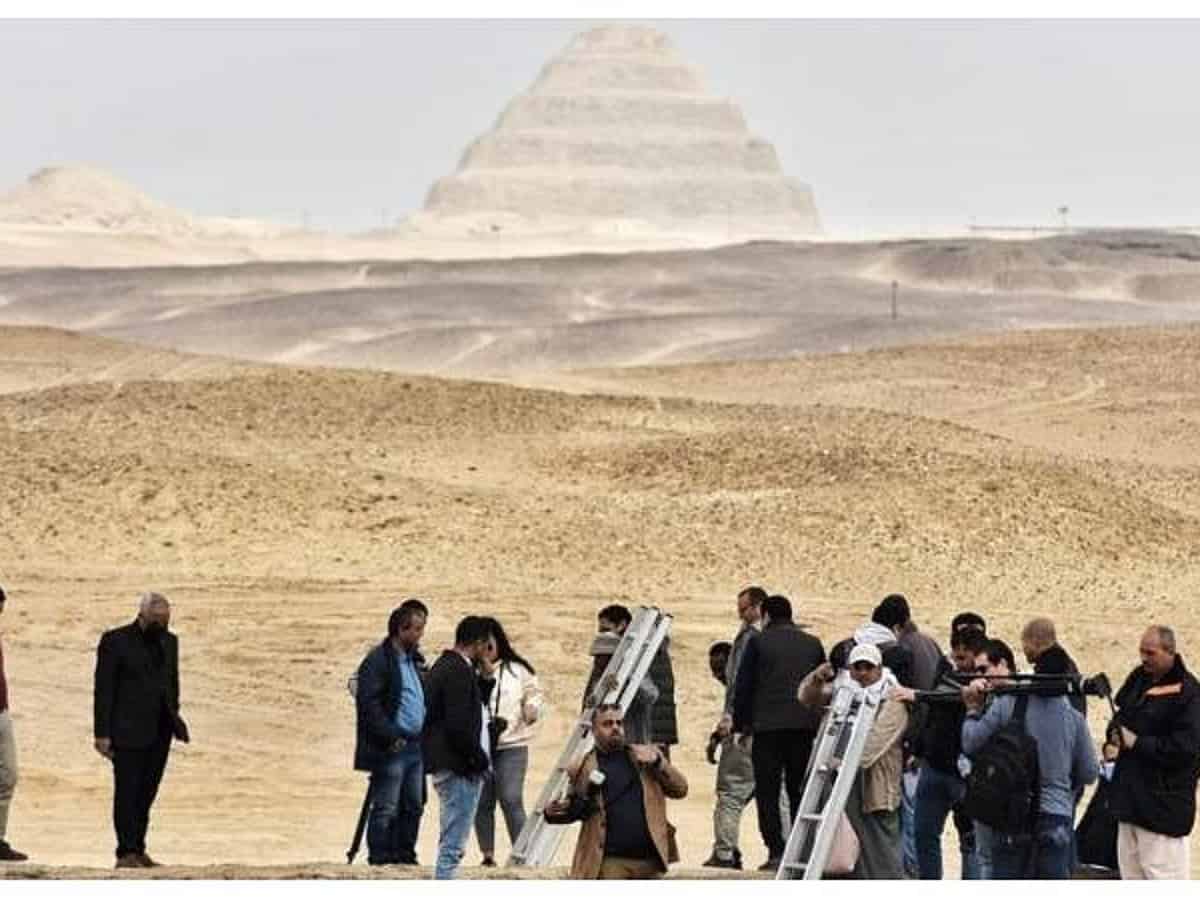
{"points": [[618, 132]]}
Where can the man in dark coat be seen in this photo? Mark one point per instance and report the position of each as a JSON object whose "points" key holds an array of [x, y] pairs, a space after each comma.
{"points": [[1046, 655], [136, 715], [767, 710], [455, 740], [1157, 728], [390, 705]]}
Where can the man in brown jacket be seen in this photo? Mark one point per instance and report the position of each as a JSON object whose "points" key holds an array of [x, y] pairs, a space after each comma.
{"points": [[619, 791]]}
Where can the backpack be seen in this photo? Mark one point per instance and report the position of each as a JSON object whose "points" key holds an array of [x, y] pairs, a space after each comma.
{"points": [[1003, 785]]}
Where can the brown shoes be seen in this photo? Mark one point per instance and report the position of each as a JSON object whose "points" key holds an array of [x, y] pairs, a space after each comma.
{"points": [[130, 861], [147, 862]]}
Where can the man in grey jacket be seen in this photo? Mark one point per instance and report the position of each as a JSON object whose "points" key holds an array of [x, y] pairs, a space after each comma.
{"points": [[1066, 763], [735, 772]]}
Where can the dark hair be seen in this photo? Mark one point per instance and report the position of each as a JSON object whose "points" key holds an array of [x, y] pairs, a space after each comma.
{"points": [[616, 613], [756, 594], [720, 647], [968, 620], [401, 618], [471, 630], [997, 650], [417, 605], [892, 611], [969, 638], [504, 649], [778, 608]]}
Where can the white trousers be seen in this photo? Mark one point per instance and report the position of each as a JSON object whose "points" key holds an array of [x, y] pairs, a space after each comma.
{"points": [[8, 769], [1142, 854]]}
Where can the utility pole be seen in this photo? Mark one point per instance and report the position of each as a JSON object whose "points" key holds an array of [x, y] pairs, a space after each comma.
{"points": [[895, 290]]}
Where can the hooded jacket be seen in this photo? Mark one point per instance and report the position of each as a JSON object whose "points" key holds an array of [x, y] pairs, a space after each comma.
{"points": [[1154, 783]]}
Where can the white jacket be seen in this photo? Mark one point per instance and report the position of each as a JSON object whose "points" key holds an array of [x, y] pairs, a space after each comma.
{"points": [[517, 699]]}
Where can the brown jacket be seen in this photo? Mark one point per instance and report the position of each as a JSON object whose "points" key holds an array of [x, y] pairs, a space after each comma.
{"points": [[667, 781]]}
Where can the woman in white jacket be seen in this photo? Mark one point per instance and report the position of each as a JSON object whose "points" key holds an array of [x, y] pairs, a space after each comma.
{"points": [[515, 709]]}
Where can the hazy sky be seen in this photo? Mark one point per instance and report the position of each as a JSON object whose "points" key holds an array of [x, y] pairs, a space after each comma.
{"points": [[897, 125]]}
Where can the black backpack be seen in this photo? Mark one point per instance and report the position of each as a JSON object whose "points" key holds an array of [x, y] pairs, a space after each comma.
{"points": [[1003, 786]]}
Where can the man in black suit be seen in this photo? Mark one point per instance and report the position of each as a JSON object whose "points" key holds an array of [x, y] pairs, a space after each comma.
{"points": [[455, 741], [136, 716]]}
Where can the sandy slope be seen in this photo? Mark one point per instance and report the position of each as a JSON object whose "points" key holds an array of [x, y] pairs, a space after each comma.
{"points": [[284, 510]]}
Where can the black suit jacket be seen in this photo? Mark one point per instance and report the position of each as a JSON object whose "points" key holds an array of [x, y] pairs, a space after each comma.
{"points": [[136, 699], [454, 718]]}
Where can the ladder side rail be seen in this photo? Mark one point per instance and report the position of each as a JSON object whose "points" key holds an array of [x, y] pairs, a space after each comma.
{"points": [[848, 770], [641, 667]]}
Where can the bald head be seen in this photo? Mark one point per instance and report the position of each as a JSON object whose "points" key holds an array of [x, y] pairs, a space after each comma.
{"points": [[1037, 637], [154, 611], [1157, 650]]}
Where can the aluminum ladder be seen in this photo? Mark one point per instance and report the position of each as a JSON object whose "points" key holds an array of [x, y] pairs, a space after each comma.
{"points": [[538, 841], [831, 772]]}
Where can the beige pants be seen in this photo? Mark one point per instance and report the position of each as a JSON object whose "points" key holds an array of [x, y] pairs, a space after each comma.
{"points": [[617, 868], [1142, 854], [8, 769]]}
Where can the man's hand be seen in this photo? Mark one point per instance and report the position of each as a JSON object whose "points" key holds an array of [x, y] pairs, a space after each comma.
{"points": [[558, 807], [724, 727], [743, 741], [825, 672], [1128, 738], [902, 693], [974, 693], [645, 754], [104, 747]]}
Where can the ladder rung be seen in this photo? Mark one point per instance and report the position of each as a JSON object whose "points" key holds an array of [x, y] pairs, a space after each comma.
{"points": [[813, 817], [796, 866]]}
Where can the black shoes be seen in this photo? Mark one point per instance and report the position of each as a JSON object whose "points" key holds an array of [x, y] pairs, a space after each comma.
{"points": [[130, 861], [488, 863], [771, 865], [8, 854], [715, 862]]}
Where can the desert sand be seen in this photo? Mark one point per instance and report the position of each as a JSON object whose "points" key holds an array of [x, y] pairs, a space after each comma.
{"points": [[285, 509]]}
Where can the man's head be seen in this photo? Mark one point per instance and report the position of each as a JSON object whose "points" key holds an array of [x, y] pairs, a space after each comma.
{"points": [[892, 612], [471, 637], [416, 605], [608, 727], [614, 619], [1036, 638], [749, 604], [154, 612], [1157, 650], [718, 657], [866, 664], [967, 620], [406, 626], [996, 659], [965, 645], [776, 609]]}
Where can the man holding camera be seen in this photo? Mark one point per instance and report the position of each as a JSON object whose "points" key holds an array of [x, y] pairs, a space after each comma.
{"points": [[1157, 728], [619, 792], [390, 706]]}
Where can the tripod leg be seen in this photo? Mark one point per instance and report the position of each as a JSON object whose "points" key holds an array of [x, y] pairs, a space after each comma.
{"points": [[360, 827]]}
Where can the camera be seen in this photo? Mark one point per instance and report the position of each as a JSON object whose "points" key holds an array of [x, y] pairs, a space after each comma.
{"points": [[596, 781]]}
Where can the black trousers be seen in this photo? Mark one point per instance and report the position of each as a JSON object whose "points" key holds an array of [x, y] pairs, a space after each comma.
{"points": [[779, 757], [136, 774]]}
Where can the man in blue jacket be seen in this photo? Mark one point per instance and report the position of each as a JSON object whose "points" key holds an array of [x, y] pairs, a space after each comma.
{"points": [[1066, 763], [390, 702]]}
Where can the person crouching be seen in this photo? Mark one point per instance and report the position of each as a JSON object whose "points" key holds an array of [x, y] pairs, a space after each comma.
{"points": [[619, 791]]}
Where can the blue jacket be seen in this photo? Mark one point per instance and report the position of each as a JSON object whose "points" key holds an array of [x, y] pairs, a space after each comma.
{"points": [[1066, 755]]}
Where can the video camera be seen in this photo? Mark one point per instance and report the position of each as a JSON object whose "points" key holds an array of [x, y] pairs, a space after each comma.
{"points": [[1027, 684]]}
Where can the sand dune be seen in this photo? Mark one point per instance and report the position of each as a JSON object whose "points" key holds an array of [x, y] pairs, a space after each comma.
{"points": [[498, 318], [285, 509]]}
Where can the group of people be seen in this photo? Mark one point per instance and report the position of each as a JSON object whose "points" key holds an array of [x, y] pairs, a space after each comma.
{"points": [[943, 726]]}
